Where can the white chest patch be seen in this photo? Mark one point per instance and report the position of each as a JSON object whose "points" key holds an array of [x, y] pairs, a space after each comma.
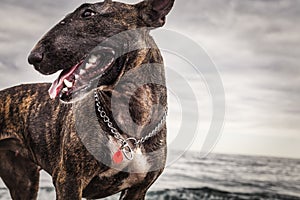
{"points": [[140, 162]]}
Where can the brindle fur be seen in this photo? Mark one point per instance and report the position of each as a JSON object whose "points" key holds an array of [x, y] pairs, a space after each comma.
{"points": [[39, 133]]}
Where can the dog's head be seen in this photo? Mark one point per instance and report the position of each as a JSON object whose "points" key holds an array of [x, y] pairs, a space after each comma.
{"points": [[68, 45]]}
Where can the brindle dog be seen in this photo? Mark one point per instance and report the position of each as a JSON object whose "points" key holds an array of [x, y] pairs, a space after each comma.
{"points": [[38, 132]]}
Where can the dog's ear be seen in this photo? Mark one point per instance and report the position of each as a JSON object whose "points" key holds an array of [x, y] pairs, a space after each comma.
{"points": [[153, 12]]}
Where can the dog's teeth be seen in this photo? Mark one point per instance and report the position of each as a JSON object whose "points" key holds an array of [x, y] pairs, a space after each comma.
{"points": [[93, 59], [82, 71], [88, 66], [68, 83], [65, 90]]}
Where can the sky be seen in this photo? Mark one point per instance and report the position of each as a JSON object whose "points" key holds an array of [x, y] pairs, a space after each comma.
{"points": [[255, 45]]}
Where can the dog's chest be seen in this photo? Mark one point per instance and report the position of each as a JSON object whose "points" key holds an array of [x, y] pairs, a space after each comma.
{"points": [[138, 164], [124, 175]]}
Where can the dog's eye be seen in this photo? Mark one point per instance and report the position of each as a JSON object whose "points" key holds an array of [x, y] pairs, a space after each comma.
{"points": [[88, 13]]}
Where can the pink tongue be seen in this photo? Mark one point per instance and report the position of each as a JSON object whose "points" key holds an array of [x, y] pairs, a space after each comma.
{"points": [[58, 84]]}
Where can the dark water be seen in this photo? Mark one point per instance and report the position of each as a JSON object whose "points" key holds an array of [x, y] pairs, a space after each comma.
{"points": [[218, 176]]}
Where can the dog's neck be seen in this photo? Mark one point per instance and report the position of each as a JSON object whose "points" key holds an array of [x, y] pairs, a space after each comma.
{"points": [[138, 99], [128, 141]]}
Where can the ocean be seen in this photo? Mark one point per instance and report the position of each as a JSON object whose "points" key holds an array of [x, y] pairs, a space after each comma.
{"points": [[215, 177]]}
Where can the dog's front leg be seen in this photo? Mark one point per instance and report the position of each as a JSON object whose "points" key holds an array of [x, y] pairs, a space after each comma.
{"points": [[66, 177], [138, 192], [133, 194], [67, 186]]}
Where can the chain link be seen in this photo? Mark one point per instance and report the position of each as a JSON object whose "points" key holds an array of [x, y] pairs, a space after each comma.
{"points": [[116, 133]]}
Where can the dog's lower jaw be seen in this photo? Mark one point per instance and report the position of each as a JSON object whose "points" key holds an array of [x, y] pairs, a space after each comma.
{"points": [[81, 75]]}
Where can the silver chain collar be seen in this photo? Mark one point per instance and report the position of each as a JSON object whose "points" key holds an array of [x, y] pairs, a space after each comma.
{"points": [[125, 146]]}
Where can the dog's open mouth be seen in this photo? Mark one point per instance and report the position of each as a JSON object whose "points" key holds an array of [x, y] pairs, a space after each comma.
{"points": [[82, 76]]}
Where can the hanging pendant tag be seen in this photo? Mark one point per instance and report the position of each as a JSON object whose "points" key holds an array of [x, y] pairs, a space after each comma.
{"points": [[127, 150], [118, 157], [124, 151]]}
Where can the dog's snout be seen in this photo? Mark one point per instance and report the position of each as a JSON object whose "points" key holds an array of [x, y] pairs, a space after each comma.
{"points": [[35, 57]]}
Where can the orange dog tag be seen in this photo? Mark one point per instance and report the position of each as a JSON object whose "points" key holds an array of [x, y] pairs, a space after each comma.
{"points": [[118, 157]]}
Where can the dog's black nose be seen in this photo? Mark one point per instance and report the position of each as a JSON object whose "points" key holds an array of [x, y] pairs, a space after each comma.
{"points": [[35, 58]]}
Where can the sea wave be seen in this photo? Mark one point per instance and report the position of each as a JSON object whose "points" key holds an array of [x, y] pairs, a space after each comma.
{"points": [[180, 194], [213, 194]]}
